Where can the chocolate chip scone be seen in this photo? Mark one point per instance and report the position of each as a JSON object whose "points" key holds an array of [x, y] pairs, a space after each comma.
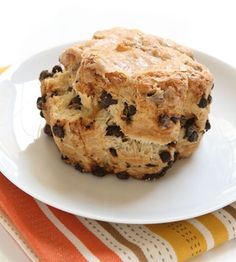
{"points": [[126, 103]]}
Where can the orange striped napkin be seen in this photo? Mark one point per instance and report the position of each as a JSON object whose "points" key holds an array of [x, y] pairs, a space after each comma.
{"points": [[48, 234]]}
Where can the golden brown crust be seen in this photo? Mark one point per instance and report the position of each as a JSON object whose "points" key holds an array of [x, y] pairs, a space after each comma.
{"points": [[138, 101]]}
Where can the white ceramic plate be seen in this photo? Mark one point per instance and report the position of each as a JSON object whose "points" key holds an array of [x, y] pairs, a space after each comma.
{"points": [[198, 185]]}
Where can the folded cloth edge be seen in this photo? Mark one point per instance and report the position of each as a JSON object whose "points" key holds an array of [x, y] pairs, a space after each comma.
{"points": [[10, 228]]}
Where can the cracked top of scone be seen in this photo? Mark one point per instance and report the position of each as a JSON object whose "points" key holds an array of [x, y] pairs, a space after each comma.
{"points": [[132, 54], [159, 76]]}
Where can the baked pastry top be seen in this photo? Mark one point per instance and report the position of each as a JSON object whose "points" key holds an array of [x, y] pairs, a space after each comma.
{"points": [[126, 103]]}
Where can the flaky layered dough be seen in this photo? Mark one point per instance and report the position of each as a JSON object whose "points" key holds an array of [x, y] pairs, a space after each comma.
{"points": [[126, 103]]}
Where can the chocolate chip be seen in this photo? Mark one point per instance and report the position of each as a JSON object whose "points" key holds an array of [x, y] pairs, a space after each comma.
{"points": [[128, 112], [150, 165], [106, 100], [125, 139], [172, 144], [165, 156], [47, 130], [128, 165], [174, 119], [41, 114], [78, 167], [213, 86], [132, 110], [58, 131], [176, 156], [45, 74], [75, 102], [189, 130], [54, 93], [113, 151], [189, 122], [156, 175], [70, 88], [151, 93], [57, 69], [64, 158], [203, 102], [193, 137], [164, 119], [207, 125], [122, 175], [114, 130], [40, 102], [98, 171], [191, 134], [90, 125], [209, 99]]}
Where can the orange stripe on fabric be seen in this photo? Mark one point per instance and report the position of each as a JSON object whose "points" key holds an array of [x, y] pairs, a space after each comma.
{"points": [[42, 236], [216, 227], [186, 240], [96, 246]]}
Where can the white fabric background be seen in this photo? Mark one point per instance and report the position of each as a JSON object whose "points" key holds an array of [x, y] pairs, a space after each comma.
{"points": [[28, 26]]}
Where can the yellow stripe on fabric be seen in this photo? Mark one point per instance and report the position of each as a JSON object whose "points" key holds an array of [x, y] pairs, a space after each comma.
{"points": [[186, 240], [2, 69], [216, 227]]}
